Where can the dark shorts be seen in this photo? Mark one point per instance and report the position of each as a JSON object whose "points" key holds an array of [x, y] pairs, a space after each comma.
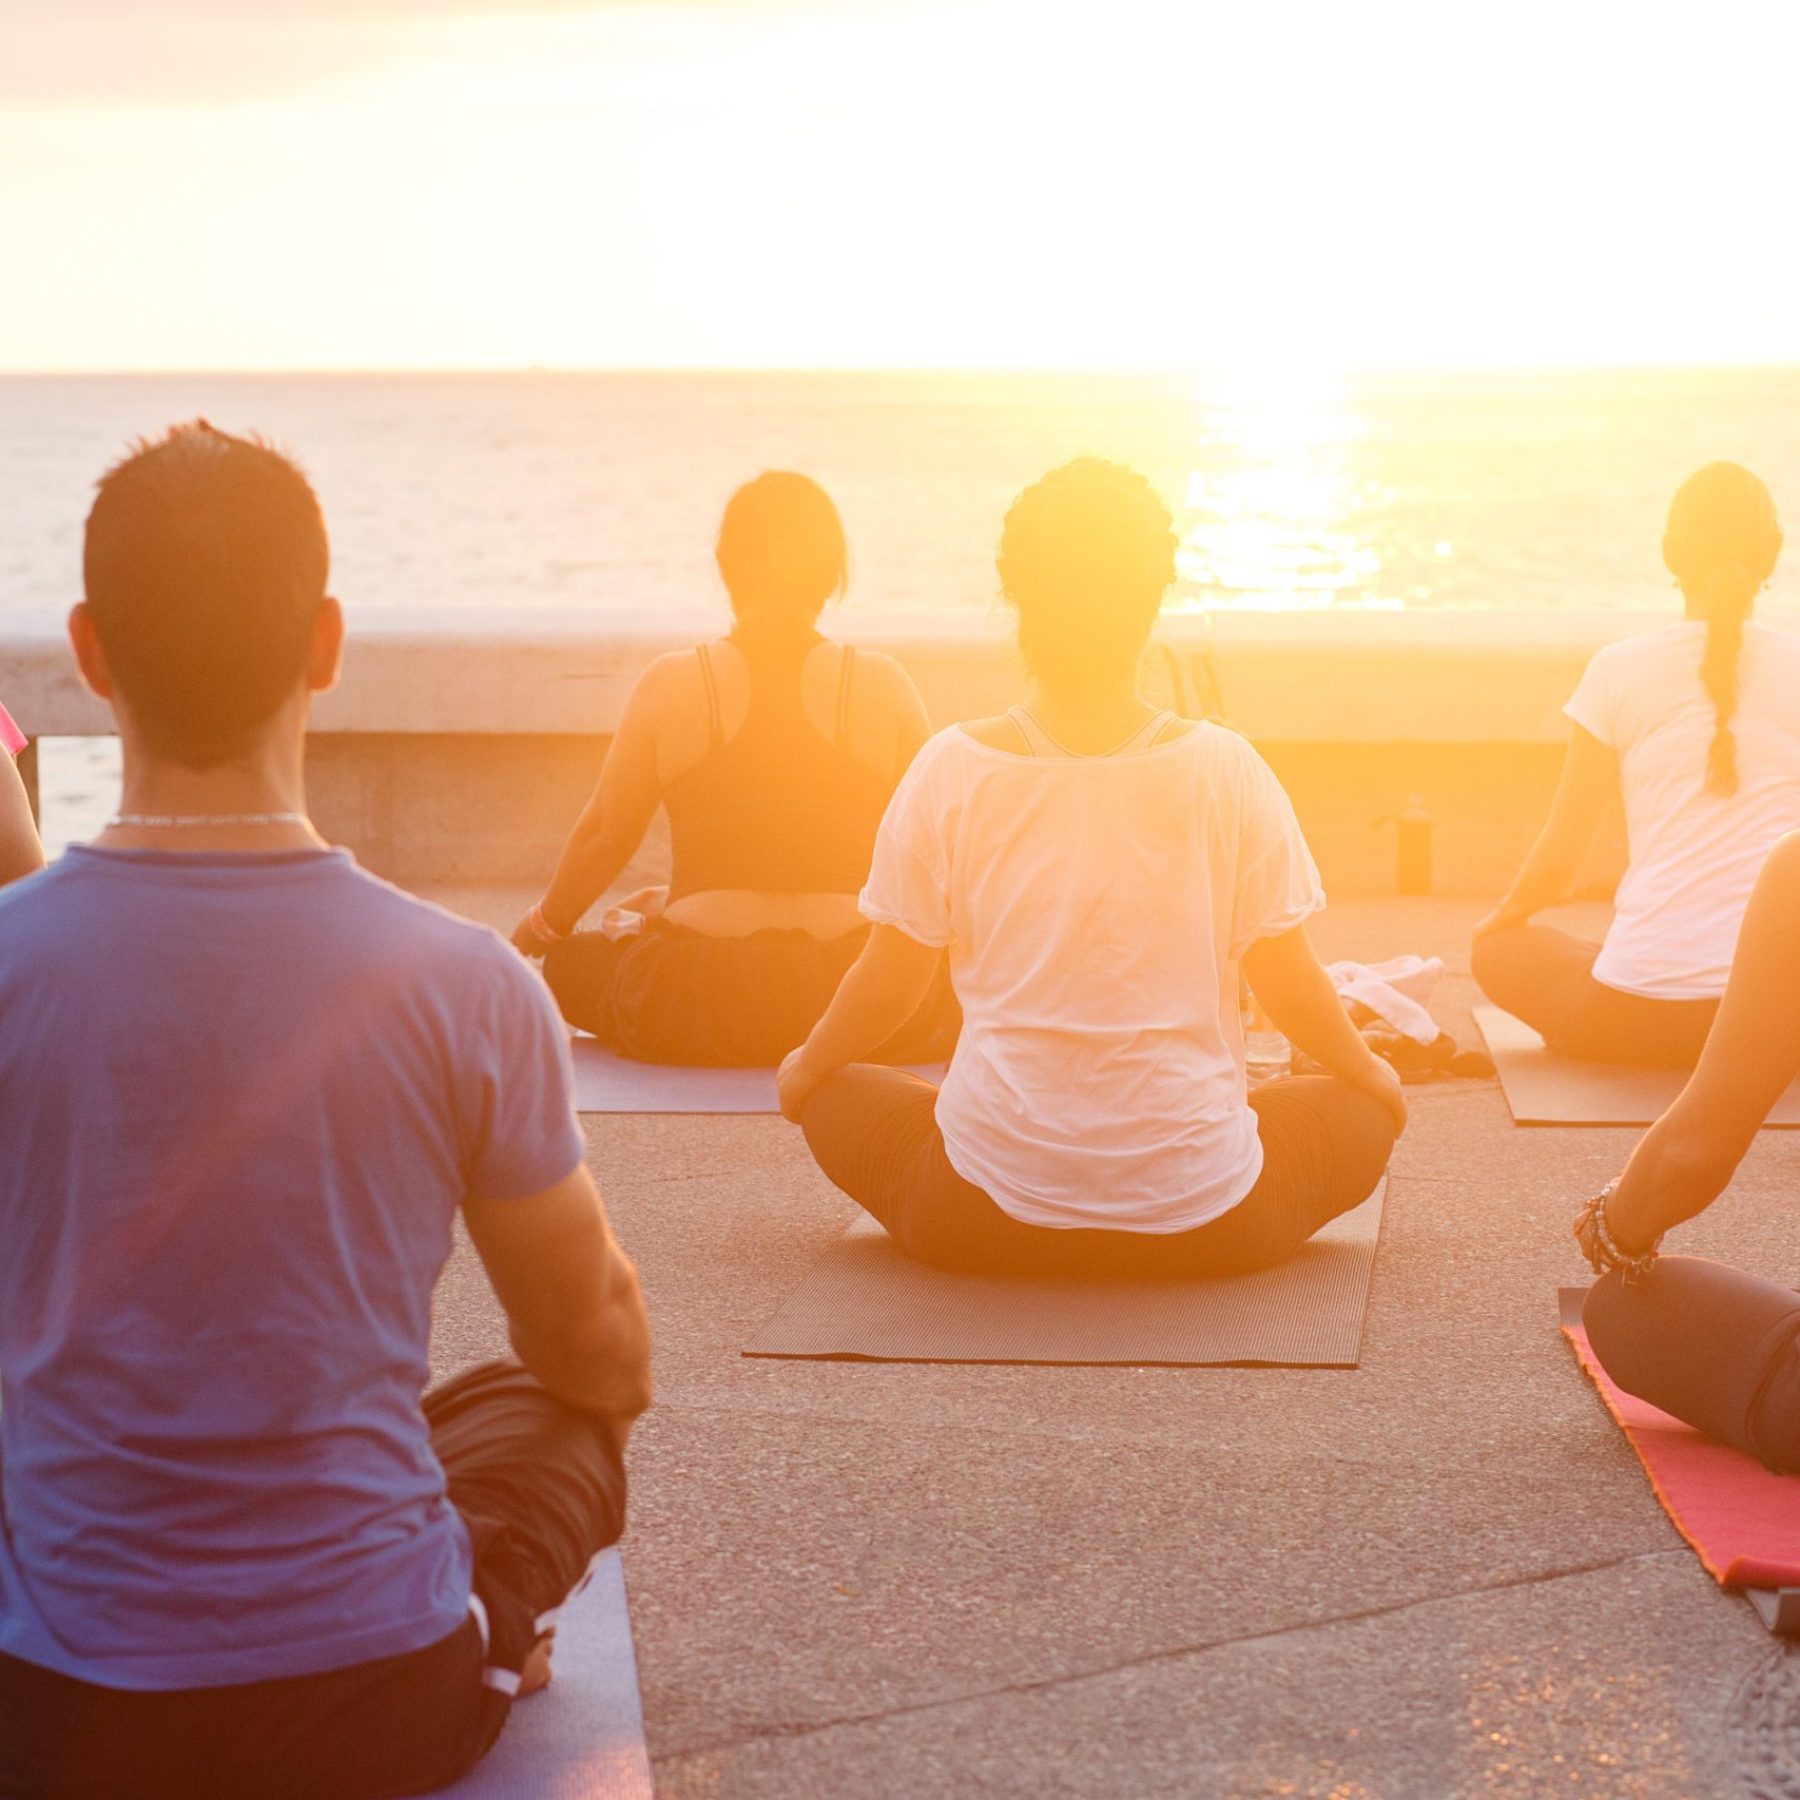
{"points": [[875, 1133], [541, 1488], [1546, 978], [671, 995]]}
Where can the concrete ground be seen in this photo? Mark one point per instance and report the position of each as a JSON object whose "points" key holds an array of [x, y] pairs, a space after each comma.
{"points": [[1440, 1574]]}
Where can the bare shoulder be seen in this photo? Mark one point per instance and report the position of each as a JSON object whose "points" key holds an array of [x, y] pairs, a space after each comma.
{"points": [[883, 678], [671, 680], [1783, 867]]}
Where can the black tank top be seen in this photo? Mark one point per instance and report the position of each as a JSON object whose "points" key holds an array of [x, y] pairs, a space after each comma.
{"points": [[776, 808]]}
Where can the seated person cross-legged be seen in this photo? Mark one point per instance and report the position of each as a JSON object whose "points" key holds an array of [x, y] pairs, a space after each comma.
{"points": [[774, 752], [1698, 727], [1712, 1345], [1095, 871], [246, 1089]]}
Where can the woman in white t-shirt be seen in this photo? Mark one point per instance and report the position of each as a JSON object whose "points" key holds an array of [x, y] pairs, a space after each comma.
{"points": [[1096, 871], [1698, 727]]}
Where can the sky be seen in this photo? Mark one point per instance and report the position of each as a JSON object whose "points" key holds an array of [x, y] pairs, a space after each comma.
{"points": [[196, 184]]}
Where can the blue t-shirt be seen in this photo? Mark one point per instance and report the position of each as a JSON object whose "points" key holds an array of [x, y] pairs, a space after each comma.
{"points": [[241, 1098]]}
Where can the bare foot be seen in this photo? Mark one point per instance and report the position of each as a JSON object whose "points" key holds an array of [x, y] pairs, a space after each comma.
{"points": [[535, 1676]]}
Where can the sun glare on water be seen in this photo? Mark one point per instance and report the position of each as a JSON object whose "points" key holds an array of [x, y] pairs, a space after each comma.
{"points": [[1270, 516]]}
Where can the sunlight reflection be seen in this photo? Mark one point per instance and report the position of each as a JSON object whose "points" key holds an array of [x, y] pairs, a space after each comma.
{"points": [[1273, 514]]}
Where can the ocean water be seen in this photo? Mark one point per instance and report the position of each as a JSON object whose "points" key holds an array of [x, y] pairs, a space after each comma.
{"points": [[603, 491]]}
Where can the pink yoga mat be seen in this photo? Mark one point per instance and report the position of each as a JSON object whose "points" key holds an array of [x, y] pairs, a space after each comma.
{"points": [[1743, 1522], [12, 739]]}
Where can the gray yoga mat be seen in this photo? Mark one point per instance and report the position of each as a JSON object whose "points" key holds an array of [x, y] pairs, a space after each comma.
{"points": [[583, 1737], [608, 1083], [864, 1301], [1543, 1088]]}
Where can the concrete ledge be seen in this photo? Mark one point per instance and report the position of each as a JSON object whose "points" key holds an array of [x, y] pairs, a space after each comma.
{"points": [[1284, 678], [459, 746]]}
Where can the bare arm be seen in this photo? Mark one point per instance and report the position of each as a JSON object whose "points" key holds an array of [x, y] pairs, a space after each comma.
{"points": [[912, 726], [613, 822], [570, 1294], [20, 852], [884, 987], [1590, 778], [1287, 977], [1684, 1161]]}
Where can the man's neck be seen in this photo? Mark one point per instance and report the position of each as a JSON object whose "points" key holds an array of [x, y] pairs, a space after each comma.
{"points": [[253, 802]]}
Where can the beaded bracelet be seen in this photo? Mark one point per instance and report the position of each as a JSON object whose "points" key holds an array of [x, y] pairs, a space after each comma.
{"points": [[1602, 1249]]}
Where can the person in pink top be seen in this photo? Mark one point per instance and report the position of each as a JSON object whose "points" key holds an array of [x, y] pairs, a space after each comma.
{"points": [[20, 851]]}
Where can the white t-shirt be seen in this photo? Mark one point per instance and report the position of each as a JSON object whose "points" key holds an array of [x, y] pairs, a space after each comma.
{"points": [[1095, 909], [1694, 855]]}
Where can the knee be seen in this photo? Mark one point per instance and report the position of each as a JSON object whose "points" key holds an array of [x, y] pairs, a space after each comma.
{"points": [[824, 1114], [1493, 959], [1372, 1132], [1609, 1316], [1625, 1321], [569, 977], [557, 966]]}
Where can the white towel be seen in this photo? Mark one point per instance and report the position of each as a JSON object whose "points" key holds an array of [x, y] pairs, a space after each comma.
{"points": [[1395, 991]]}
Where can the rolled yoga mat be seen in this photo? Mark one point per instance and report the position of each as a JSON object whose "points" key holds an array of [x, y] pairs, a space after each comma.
{"points": [[1741, 1521], [865, 1301], [608, 1083], [1543, 1088], [583, 1737]]}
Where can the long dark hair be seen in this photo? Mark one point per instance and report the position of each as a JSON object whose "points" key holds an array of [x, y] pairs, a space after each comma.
{"points": [[1720, 545]]}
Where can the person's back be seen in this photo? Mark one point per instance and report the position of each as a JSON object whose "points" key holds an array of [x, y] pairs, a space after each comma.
{"points": [[779, 801], [245, 1096], [1095, 908], [246, 1089], [1694, 853]]}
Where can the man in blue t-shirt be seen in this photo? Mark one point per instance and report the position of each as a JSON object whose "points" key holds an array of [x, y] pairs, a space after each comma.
{"points": [[244, 1090]]}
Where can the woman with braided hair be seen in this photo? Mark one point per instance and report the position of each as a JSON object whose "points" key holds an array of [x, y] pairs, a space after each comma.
{"points": [[1095, 871], [1697, 726]]}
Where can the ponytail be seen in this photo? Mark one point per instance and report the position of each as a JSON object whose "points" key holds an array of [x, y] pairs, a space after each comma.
{"points": [[1719, 676], [1720, 545]]}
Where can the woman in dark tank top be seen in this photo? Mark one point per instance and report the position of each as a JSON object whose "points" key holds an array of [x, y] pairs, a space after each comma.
{"points": [[774, 752]]}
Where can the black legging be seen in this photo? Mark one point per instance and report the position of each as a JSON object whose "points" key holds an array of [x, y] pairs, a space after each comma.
{"points": [[875, 1133], [674, 995], [1710, 1345], [1546, 978]]}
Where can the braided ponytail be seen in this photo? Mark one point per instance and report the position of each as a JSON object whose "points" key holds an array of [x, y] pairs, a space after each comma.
{"points": [[1719, 676], [1721, 544]]}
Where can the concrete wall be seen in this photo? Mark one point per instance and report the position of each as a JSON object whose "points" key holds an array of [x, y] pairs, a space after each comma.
{"points": [[459, 746]]}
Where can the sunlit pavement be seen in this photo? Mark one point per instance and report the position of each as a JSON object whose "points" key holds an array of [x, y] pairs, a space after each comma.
{"points": [[1439, 1574]]}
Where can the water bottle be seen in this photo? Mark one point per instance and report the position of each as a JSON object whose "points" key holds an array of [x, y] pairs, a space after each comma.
{"points": [[1412, 856]]}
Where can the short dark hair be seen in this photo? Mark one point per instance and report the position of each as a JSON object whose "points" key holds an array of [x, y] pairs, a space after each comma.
{"points": [[205, 563], [1085, 557], [781, 549]]}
